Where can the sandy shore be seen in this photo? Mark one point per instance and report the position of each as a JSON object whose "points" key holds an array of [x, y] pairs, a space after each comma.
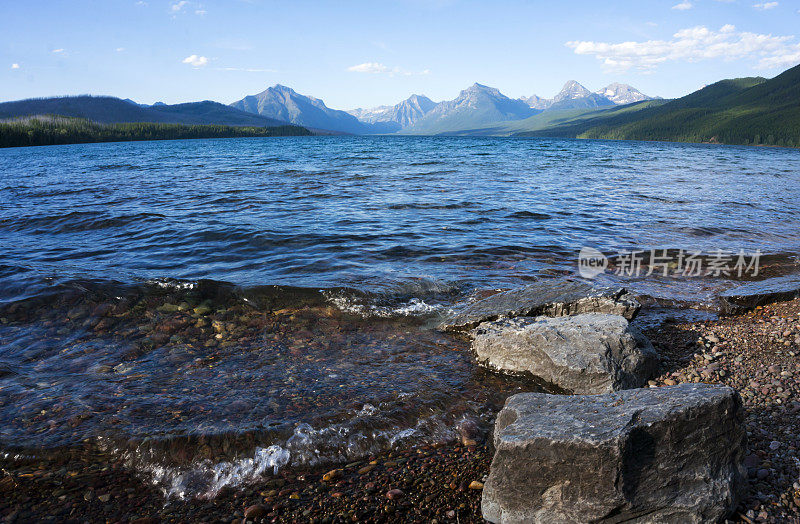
{"points": [[755, 353]]}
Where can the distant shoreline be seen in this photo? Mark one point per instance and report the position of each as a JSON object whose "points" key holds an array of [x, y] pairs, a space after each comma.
{"points": [[56, 130], [50, 133]]}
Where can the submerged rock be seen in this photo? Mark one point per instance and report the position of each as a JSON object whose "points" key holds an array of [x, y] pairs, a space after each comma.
{"points": [[588, 353], [669, 454], [754, 294], [552, 298]]}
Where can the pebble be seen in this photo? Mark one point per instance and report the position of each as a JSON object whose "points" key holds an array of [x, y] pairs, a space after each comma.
{"points": [[332, 475], [202, 310], [256, 511], [394, 494], [475, 485]]}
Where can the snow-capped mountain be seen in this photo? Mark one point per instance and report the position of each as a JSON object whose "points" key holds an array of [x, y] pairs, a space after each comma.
{"points": [[476, 106], [575, 96], [622, 94], [284, 103], [404, 114], [572, 90], [537, 102]]}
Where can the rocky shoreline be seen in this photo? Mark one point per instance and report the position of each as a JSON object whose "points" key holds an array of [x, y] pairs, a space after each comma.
{"points": [[754, 353]]}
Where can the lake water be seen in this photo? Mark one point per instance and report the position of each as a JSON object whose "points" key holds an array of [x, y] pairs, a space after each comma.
{"points": [[210, 310]]}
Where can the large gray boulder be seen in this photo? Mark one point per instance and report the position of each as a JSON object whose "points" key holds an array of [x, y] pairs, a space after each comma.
{"points": [[586, 354], [552, 298], [753, 294], [670, 454]]}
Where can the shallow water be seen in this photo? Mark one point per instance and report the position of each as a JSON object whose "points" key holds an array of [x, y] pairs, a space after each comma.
{"points": [[210, 310]]}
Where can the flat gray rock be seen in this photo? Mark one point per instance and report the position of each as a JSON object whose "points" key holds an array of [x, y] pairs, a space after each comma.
{"points": [[552, 298], [586, 354], [670, 454], [753, 294]]}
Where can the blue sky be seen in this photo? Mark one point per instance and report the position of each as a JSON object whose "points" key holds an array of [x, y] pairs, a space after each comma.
{"points": [[367, 53]]}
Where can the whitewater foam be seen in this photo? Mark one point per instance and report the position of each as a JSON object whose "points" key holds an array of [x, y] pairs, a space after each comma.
{"points": [[306, 447], [413, 308]]}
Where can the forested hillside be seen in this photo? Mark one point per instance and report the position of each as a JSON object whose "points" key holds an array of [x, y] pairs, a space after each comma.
{"points": [[42, 131], [741, 111]]}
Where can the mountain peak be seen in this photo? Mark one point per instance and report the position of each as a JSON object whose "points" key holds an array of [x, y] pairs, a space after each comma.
{"points": [[537, 102], [284, 103], [476, 87], [622, 94], [393, 118], [281, 89], [480, 89], [572, 90], [418, 98]]}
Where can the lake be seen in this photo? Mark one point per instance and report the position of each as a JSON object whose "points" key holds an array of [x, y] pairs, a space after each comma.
{"points": [[209, 310]]}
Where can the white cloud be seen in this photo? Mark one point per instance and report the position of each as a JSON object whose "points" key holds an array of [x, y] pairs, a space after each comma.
{"points": [[196, 61], [378, 68], [59, 50], [177, 7], [790, 58], [120, 49], [369, 67], [763, 6], [683, 6], [14, 66], [692, 45], [181, 6]]}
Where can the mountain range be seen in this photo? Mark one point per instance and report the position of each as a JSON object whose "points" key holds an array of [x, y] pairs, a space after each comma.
{"points": [[736, 111], [283, 103], [474, 107], [575, 96], [754, 110], [396, 117], [479, 106], [110, 110]]}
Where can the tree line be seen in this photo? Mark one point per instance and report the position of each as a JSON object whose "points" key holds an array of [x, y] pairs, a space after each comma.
{"points": [[55, 130]]}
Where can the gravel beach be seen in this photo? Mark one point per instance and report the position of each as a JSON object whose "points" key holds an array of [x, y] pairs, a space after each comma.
{"points": [[755, 353]]}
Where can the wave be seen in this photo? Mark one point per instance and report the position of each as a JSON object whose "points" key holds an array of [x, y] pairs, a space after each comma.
{"points": [[433, 205], [414, 307], [76, 221], [307, 446], [530, 215], [33, 297]]}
